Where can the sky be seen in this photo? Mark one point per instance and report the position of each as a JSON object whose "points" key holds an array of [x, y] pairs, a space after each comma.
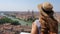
{"points": [[25, 5]]}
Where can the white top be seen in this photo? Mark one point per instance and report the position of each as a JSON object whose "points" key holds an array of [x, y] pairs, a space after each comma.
{"points": [[38, 25]]}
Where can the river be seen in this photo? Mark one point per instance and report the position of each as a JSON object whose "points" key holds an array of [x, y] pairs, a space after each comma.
{"points": [[20, 21]]}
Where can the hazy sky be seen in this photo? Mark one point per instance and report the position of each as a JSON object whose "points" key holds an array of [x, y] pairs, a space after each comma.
{"points": [[25, 5]]}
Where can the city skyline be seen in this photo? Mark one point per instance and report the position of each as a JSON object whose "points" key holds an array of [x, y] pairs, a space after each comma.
{"points": [[25, 5]]}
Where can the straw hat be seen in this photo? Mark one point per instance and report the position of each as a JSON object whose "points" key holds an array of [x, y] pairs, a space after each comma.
{"points": [[46, 6]]}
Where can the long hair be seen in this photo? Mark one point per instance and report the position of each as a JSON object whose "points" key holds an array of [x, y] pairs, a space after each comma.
{"points": [[48, 22]]}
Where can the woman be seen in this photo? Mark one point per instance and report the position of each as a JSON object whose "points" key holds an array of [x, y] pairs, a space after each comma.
{"points": [[46, 24]]}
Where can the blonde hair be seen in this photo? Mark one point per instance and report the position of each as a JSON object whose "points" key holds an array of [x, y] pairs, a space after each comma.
{"points": [[48, 23]]}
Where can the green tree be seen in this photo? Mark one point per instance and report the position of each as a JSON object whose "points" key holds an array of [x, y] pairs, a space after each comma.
{"points": [[8, 20], [5, 20], [15, 23]]}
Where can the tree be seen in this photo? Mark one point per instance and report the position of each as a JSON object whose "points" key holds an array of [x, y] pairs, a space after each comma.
{"points": [[8, 20], [15, 23]]}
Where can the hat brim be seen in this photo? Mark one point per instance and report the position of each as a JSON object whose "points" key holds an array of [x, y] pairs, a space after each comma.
{"points": [[39, 6]]}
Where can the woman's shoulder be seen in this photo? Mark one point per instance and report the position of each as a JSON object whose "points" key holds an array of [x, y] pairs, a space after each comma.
{"points": [[36, 20]]}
